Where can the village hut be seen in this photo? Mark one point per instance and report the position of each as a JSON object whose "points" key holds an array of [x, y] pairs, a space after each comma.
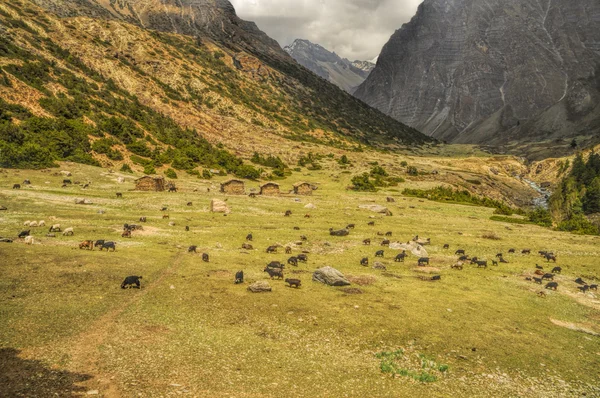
{"points": [[233, 187], [303, 188], [269, 189], [150, 183]]}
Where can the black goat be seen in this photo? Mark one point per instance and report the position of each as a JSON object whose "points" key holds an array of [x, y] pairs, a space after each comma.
{"points": [[130, 281]]}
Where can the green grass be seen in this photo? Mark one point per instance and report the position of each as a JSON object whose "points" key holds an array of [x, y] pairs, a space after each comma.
{"points": [[190, 329]]}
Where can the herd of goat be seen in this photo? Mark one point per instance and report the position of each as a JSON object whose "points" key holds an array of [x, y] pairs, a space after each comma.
{"points": [[275, 269]]}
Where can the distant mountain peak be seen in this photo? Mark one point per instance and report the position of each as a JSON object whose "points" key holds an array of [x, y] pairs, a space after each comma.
{"points": [[327, 64]]}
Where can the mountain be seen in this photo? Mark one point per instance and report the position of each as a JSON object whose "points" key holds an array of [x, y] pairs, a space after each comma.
{"points": [[494, 72], [339, 71], [161, 83]]}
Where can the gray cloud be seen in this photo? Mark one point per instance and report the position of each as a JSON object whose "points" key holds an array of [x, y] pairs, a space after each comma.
{"points": [[355, 29]]}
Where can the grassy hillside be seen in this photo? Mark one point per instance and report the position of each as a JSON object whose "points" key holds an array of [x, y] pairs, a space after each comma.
{"points": [[191, 331], [67, 83]]}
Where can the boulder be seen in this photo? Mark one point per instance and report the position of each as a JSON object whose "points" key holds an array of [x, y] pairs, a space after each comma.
{"points": [[310, 206], [330, 276], [81, 201], [379, 265], [120, 180], [389, 199], [219, 206], [412, 247], [66, 173], [375, 208], [260, 287]]}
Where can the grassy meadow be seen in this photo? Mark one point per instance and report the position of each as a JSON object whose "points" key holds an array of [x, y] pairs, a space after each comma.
{"points": [[191, 331]]}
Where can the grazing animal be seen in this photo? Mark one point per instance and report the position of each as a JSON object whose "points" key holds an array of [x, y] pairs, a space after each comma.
{"points": [[460, 251], [542, 253], [594, 287], [87, 244], [303, 238], [86, 186], [109, 245], [364, 262], [126, 233], [187, 228], [446, 246], [498, 255], [164, 208], [385, 242], [205, 257], [388, 233], [189, 204], [239, 277], [481, 264], [474, 260], [33, 224], [296, 228], [379, 233], [192, 249], [458, 265], [119, 195], [350, 226], [142, 219], [68, 232], [539, 272], [400, 257], [272, 249], [552, 285], [274, 272], [67, 181], [538, 280], [379, 253], [302, 257], [54, 228], [247, 246], [539, 266], [307, 216], [548, 276], [436, 278], [16, 186], [29, 240], [63, 186], [528, 278], [26, 182], [249, 237], [494, 262], [275, 264], [288, 250], [583, 288], [23, 234], [463, 258], [502, 260], [42, 223], [422, 261], [130, 281], [27, 223], [293, 282], [252, 195], [341, 232], [288, 213], [172, 189], [556, 270], [580, 281], [541, 294], [526, 251], [550, 257], [371, 223], [293, 261], [511, 250], [165, 216], [367, 242], [99, 242]]}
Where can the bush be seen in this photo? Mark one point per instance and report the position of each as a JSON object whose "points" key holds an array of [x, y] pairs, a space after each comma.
{"points": [[247, 171], [170, 173], [126, 169], [404, 163], [378, 171], [540, 216], [412, 171], [206, 174], [140, 148], [149, 169], [362, 183], [579, 224]]}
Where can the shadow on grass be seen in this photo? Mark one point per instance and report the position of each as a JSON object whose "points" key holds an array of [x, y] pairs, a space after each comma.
{"points": [[30, 378]]}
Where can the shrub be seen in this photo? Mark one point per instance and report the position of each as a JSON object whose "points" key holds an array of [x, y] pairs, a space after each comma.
{"points": [[404, 163], [149, 169], [362, 183], [206, 174], [540, 216], [247, 171], [170, 173], [412, 171], [378, 171], [126, 169]]}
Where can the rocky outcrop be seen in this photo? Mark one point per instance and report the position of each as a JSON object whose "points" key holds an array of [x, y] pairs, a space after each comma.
{"points": [[330, 276], [260, 287], [493, 71], [339, 71]]}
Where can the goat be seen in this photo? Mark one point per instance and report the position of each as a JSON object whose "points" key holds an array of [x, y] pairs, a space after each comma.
{"points": [[247, 246], [594, 287], [400, 257], [109, 245], [580, 281], [303, 238], [272, 249], [481, 264], [385, 242], [498, 255], [288, 250], [275, 264], [165, 216], [379, 253], [274, 272], [556, 270], [142, 219], [364, 262], [293, 261], [119, 195], [87, 244], [367, 242], [446, 246], [526, 251], [539, 267], [130, 281], [99, 242], [307, 216], [54, 228], [189, 203], [192, 249], [172, 189], [126, 233], [205, 257], [388, 233], [16, 186], [550, 257], [293, 282], [249, 237], [458, 265], [511, 250], [502, 260], [288, 213], [350, 226], [463, 258], [26, 182], [552, 285], [371, 223], [23, 234], [494, 262], [548, 276], [239, 277], [68, 232], [538, 280], [460, 251], [302, 257], [583, 288]]}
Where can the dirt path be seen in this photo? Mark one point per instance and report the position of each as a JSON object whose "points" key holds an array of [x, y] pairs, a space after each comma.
{"points": [[84, 351]]}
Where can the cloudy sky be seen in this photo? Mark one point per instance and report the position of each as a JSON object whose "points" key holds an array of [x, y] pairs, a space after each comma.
{"points": [[354, 29]]}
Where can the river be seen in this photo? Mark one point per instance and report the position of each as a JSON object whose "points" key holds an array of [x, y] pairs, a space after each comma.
{"points": [[542, 200]]}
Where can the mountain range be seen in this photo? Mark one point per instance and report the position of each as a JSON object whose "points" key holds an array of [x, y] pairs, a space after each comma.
{"points": [[493, 72], [339, 71]]}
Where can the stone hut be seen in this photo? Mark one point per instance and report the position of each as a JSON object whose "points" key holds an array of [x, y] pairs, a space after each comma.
{"points": [[150, 183], [233, 187], [269, 189], [303, 188]]}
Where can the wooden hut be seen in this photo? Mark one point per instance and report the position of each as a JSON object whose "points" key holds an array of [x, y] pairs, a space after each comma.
{"points": [[150, 183], [233, 187], [269, 189], [303, 188]]}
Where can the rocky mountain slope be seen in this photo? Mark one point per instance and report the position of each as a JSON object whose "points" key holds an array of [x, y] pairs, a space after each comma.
{"points": [[330, 66], [167, 96], [494, 71]]}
